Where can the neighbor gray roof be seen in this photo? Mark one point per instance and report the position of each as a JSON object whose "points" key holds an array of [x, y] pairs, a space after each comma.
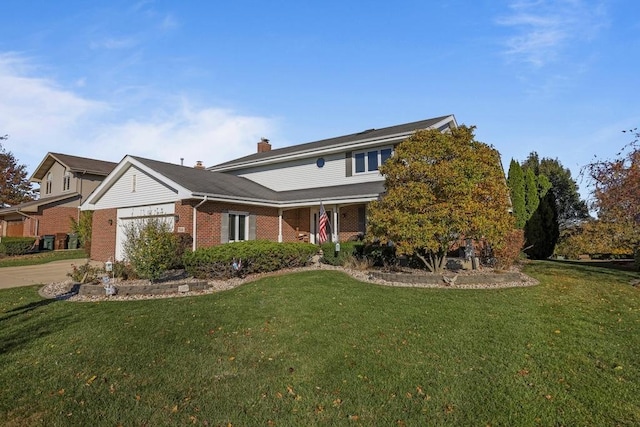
{"points": [[74, 164], [331, 142], [203, 182], [33, 205]]}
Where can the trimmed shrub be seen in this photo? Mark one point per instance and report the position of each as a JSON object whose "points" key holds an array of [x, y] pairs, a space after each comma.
{"points": [[256, 256], [16, 245], [348, 250], [379, 255]]}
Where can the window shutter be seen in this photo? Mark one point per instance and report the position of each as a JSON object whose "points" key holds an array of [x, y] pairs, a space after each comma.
{"points": [[348, 164], [252, 227], [224, 228]]}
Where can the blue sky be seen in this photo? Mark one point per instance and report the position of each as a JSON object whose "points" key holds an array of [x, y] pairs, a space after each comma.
{"points": [[204, 80]]}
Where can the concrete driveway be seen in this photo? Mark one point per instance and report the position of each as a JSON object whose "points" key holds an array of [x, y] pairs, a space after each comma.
{"points": [[11, 277]]}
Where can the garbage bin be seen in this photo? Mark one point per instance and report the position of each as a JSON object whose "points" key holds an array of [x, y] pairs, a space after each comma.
{"points": [[72, 241], [61, 241], [47, 242]]}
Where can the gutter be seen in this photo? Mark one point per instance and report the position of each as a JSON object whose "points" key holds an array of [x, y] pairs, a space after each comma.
{"points": [[194, 225]]}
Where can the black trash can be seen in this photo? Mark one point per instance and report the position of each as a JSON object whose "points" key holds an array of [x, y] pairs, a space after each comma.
{"points": [[72, 242], [48, 242]]}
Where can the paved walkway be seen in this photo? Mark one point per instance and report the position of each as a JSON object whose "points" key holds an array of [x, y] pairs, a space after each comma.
{"points": [[12, 277]]}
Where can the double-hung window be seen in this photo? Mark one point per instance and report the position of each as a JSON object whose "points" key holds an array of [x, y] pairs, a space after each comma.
{"points": [[238, 227], [48, 184], [370, 160], [66, 181]]}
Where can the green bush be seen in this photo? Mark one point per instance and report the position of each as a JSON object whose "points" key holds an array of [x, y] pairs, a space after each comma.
{"points": [[86, 273], [379, 255], [17, 245], [151, 247], [348, 250], [258, 256]]}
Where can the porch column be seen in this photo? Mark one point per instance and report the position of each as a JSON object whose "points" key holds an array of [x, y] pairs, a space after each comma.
{"points": [[280, 225], [336, 226]]}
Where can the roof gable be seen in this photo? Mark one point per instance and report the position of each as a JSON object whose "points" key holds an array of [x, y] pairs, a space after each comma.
{"points": [[74, 164]]}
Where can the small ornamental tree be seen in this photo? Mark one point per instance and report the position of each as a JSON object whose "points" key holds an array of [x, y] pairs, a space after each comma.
{"points": [[150, 247], [439, 188], [15, 188], [516, 187]]}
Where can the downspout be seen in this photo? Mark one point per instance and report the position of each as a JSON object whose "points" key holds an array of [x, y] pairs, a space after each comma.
{"points": [[194, 225], [280, 225]]}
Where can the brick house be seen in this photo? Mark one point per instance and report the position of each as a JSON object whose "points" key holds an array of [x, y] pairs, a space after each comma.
{"points": [[65, 182], [273, 194]]}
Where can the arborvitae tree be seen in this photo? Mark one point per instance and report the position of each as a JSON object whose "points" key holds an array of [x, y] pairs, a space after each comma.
{"points": [[541, 232], [532, 197], [516, 188]]}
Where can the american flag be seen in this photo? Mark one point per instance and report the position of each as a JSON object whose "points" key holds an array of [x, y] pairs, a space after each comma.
{"points": [[322, 225]]}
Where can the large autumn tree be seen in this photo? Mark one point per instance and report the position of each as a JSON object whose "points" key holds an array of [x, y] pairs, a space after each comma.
{"points": [[14, 185], [439, 188], [616, 191]]}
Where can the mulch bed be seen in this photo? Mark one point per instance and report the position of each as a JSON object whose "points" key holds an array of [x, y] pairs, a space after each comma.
{"points": [[184, 286]]}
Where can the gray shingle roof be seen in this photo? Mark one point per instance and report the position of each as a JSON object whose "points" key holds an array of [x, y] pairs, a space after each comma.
{"points": [[202, 181], [33, 205], [341, 140], [75, 164]]}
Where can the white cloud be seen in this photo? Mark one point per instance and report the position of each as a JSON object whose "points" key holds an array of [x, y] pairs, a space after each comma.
{"points": [[212, 135], [545, 28], [40, 117]]}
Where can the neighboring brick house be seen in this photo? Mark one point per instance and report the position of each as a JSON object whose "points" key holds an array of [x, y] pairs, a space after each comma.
{"points": [[273, 194], [65, 182]]}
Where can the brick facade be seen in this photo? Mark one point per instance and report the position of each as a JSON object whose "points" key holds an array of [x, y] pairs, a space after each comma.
{"points": [[103, 234], [295, 224]]}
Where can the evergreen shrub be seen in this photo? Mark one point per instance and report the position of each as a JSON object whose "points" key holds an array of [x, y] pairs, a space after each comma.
{"points": [[255, 256], [16, 245]]}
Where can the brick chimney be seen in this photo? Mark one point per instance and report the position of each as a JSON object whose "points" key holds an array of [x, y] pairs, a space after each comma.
{"points": [[199, 165], [264, 145]]}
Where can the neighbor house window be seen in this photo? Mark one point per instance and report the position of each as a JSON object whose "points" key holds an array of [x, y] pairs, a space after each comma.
{"points": [[66, 181], [238, 227], [48, 184], [370, 161], [133, 183]]}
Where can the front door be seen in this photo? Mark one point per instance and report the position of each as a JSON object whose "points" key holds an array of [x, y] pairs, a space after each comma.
{"points": [[315, 225]]}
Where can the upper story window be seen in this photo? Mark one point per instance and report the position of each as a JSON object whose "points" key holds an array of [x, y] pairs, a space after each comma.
{"points": [[66, 181], [370, 160], [133, 183], [48, 183]]}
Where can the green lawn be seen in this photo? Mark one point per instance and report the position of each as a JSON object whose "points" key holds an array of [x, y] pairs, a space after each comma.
{"points": [[42, 257], [319, 348]]}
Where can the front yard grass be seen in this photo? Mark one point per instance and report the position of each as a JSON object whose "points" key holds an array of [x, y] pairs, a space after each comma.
{"points": [[42, 257], [320, 348]]}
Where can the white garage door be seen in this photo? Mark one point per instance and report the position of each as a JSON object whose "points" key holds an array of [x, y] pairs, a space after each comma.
{"points": [[138, 214]]}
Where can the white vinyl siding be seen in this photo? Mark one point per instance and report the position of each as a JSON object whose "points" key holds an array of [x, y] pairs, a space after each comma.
{"points": [[304, 173], [148, 191]]}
